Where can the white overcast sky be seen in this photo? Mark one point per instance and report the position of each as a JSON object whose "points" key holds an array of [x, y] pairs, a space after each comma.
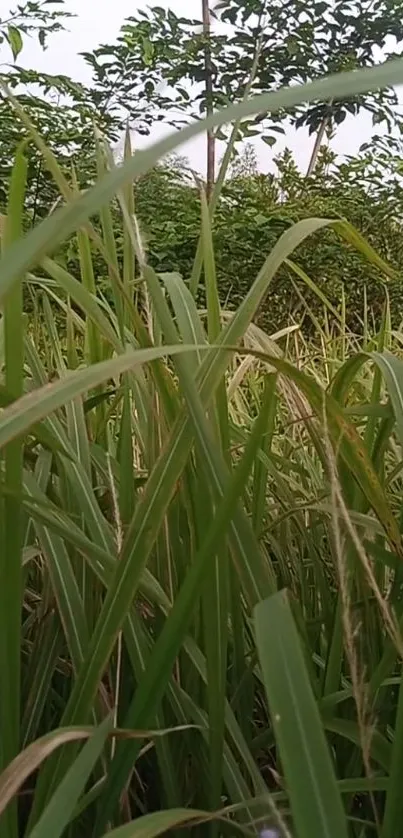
{"points": [[99, 21]]}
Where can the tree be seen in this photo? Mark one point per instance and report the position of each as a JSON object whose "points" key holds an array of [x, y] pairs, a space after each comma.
{"points": [[171, 69], [157, 70], [34, 17], [302, 41], [62, 110]]}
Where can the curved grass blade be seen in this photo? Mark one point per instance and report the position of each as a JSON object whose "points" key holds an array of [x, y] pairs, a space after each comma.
{"points": [[313, 287], [392, 371], [19, 416], [60, 809], [83, 297], [33, 756], [379, 747], [354, 237], [187, 315], [156, 823]]}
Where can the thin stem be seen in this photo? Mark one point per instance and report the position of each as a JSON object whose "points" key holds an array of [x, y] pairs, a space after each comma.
{"points": [[208, 70]]}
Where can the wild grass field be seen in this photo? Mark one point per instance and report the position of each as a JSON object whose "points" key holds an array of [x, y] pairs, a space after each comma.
{"points": [[201, 586]]}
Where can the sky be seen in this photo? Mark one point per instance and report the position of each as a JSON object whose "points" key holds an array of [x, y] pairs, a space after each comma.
{"points": [[99, 21]]}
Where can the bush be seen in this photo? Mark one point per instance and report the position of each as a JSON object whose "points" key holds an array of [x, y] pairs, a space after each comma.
{"points": [[253, 212]]}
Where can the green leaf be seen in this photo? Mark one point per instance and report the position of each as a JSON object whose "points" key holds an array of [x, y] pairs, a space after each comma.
{"points": [[269, 140], [188, 319], [313, 287], [309, 775], [392, 369], [82, 297], [22, 414], [11, 527], [59, 811], [148, 51], [15, 40], [157, 823], [394, 800], [348, 443], [151, 688], [31, 758]]}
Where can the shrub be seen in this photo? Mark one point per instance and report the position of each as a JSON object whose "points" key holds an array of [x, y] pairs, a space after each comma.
{"points": [[254, 210]]}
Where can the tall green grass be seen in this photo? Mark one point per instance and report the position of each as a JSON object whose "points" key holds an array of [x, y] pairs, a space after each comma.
{"points": [[200, 543]]}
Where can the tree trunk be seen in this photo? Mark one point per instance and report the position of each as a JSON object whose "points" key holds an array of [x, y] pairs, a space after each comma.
{"points": [[208, 71], [316, 148], [319, 138]]}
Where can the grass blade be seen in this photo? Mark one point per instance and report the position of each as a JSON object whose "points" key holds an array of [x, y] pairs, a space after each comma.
{"points": [[394, 800], [31, 758], [57, 814], [21, 415], [392, 370], [151, 688], [315, 800], [11, 544], [157, 823]]}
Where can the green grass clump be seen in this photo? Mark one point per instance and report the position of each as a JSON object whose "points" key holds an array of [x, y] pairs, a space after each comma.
{"points": [[200, 542]]}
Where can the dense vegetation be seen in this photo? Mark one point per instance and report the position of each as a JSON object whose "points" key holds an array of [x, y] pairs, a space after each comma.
{"points": [[254, 210], [201, 434]]}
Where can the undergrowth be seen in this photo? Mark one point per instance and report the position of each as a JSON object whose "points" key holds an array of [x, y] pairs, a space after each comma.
{"points": [[200, 543]]}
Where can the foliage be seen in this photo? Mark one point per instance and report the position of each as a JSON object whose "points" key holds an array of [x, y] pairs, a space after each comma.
{"points": [[200, 525], [301, 43], [34, 17], [154, 493], [255, 209], [56, 104], [157, 70], [63, 110]]}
